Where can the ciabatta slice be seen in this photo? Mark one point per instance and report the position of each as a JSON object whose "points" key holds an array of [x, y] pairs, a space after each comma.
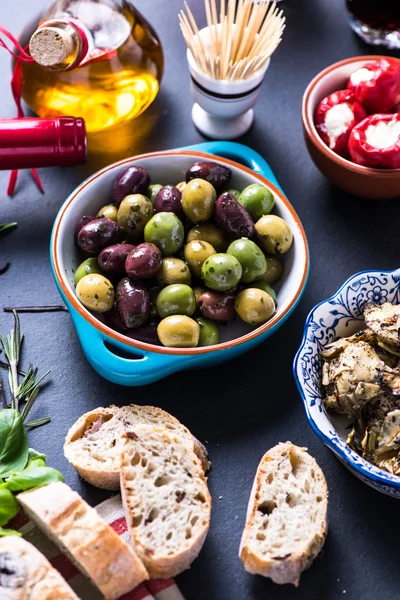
{"points": [[93, 443], [166, 499], [287, 515], [25, 574], [77, 529]]}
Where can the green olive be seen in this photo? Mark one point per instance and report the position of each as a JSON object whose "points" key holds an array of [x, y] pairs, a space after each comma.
{"points": [[179, 331], [152, 191], [173, 270], [133, 214], [209, 332], [274, 234], [110, 211], [262, 285], [87, 267], [254, 306], [274, 270], [210, 234], [181, 186], [176, 299], [166, 231], [96, 293], [221, 272], [250, 257], [196, 252], [235, 193], [258, 200], [198, 200]]}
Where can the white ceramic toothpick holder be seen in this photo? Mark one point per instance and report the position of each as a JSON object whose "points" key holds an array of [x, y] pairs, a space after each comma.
{"points": [[223, 109]]}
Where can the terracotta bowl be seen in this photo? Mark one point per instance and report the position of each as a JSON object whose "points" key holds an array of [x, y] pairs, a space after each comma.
{"points": [[377, 184]]}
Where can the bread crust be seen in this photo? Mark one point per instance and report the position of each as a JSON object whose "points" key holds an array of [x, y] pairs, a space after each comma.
{"points": [[27, 575], [169, 564], [77, 529], [106, 476], [282, 569]]}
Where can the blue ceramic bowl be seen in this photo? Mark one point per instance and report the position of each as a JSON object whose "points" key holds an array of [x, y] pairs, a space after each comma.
{"points": [[341, 316], [130, 362]]}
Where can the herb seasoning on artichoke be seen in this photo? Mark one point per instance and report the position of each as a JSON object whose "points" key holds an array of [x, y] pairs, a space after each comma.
{"points": [[361, 379]]}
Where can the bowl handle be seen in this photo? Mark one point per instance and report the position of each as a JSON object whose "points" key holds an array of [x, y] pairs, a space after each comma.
{"points": [[121, 363], [241, 154]]}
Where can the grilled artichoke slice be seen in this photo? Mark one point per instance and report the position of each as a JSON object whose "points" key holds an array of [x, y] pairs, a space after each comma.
{"points": [[351, 378], [389, 435], [384, 320], [390, 378], [361, 378]]}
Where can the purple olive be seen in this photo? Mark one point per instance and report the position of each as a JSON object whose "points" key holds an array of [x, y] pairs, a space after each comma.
{"points": [[169, 199], [99, 234], [134, 180], [112, 259], [146, 333], [113, 320], [233, 218], [143, 262], [217, 306], [216, 174], [133, 303], [81, 223]]}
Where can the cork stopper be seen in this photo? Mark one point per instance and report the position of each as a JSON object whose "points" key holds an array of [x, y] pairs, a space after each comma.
{"points": [[51, 46]]}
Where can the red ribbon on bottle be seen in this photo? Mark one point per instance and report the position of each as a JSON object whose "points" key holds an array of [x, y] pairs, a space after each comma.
{"points": [[16, 86]]}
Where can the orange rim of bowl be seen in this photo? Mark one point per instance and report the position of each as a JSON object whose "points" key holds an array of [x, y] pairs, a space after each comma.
{"points": [[118, 337], [309, 126]]}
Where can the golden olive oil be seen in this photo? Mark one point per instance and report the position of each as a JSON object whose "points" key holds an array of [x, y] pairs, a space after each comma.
{"points": [[118, 81]]}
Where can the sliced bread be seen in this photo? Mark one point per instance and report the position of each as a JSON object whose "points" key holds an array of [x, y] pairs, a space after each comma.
{"points": [[77, 529], [25, 574], [93, 443], [166, 500], [287, 515]]}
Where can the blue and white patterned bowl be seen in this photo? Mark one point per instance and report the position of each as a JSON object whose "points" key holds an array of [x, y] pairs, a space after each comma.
{"points": [[341, 316]]}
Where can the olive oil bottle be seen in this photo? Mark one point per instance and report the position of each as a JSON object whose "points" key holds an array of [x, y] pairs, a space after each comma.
{"points": [[95, 59]]}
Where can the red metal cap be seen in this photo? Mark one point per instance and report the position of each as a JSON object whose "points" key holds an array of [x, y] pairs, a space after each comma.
{"points": [[35, 142]]}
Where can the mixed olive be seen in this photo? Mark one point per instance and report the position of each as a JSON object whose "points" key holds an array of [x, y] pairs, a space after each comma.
{"points": [[166, 264]]}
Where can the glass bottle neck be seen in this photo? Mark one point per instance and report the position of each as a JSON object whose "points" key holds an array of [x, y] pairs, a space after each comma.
{"points": [[59, 45]]}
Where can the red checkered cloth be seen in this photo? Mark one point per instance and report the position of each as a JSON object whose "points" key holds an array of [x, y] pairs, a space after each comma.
{"points": [[112, 512]]}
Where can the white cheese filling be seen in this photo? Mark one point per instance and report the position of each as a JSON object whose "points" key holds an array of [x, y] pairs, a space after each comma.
{"points": [[383, 135], [361, 75], [337, 121]]}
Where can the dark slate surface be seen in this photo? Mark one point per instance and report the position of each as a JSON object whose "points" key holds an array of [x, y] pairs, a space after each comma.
{"points": [[242, 408]]}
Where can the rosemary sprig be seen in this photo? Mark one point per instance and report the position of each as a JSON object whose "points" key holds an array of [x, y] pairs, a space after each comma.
{"points": [[37, 422], [5, 226], [28, 389], [5, 365], [12, 348], [36, 309]]}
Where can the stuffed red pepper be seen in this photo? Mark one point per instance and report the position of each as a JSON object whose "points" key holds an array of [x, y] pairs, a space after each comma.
{"points": [[375, 142], [377, 85], [336, 116]]}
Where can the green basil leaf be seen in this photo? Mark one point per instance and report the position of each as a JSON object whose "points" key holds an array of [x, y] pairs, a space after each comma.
{"points": [[33, 476], [8, 506], [4, 532], [13, 442], [34, 454], [35, 458]]}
